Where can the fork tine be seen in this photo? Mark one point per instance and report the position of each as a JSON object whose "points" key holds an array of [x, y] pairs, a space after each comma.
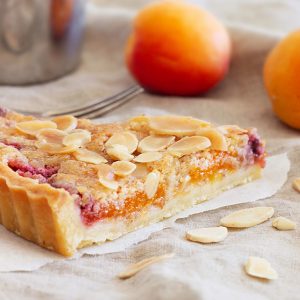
{"points": [[80, 111], [109, 105]]}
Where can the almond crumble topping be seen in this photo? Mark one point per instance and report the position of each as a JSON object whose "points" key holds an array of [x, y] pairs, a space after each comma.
{"points": [[114, 170]]}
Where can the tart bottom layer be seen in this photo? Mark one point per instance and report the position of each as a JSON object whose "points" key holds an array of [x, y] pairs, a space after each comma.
{"points": [[48, 216]]}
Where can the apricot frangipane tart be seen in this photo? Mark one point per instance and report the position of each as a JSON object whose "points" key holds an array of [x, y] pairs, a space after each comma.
{"points": [[67, 183]]}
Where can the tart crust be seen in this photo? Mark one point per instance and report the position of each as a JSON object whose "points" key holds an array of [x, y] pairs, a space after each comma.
{"points": [[47, 216]]}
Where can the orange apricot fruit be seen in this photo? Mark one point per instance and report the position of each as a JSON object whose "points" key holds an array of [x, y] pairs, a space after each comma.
{"points": [[282, 79], [177, 48]]}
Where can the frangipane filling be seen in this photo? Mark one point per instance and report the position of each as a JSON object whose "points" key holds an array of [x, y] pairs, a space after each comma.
{"points": [[120, 170]]}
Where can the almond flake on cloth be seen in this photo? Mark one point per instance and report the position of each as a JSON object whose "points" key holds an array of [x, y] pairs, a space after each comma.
{"points": [[135, 268]]}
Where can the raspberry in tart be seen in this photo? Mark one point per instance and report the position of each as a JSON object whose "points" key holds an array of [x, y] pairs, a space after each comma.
{"points": [[67, 183]]}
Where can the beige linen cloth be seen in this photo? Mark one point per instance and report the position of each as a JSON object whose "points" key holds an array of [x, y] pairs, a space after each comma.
{"points": [[197, 271]]}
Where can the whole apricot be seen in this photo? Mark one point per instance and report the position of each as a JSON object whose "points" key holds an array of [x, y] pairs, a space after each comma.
{"points": [[282, 79], [177, 48]]}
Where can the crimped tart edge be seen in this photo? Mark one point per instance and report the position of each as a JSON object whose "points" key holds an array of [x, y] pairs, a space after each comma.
{"points": [[49, 217], [38, 212]]}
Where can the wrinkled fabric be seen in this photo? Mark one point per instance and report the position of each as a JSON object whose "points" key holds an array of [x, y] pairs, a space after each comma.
{"points": [[197, 271]]}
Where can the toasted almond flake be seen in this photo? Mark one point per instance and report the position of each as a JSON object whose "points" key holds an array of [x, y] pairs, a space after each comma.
{"points": [[89, 156], [123, 168], [260, 267], [232, 129], [217, 139], [151, 184], [106, 177], [154, 143], [135, 268], [176, 125], [119, 152], [65, 123], [52, 148], [49, 135], [296, 184], [148, 157], [127, 139], [207, 235], [189, 144], [34, 126], [248, 217], [282, 223], [141, 171], [78, 138]]}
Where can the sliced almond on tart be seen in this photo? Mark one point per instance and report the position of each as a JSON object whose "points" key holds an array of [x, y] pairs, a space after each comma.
{"points": [[123, 168], [153, 143], [151, 184], [127, 139], [176, 125], [34, 126], [106, 177], [248, 217], [207, 235], [52, 136], [141, 171], [260, 267], [189, 145], [89, 156], [217, 139], [232, 129], [53, 148], [77, 138], [148, 157], [119, 152], [66, 123], [282, 223]]}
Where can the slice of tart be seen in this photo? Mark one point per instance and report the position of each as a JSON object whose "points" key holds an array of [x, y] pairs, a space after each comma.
{"points": [[67, 183]]}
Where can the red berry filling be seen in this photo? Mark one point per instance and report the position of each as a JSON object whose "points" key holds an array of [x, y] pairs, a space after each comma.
{"points": [[27, 170]]}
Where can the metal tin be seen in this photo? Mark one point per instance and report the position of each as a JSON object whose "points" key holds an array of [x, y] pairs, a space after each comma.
{"points": [[40, 40]]}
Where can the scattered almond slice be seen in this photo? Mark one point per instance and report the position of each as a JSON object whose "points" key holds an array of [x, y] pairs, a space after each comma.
{"points": [[148, 157], [296, 184], [51, 136], [217, 139], [282, 223], [151, 184], [52, 148], [78, 138], [176, 125], [34, 126], [141, 171], [189, 145], [260, 267], [119, 152], [153, 143], [127, 139], [207, 235], [232, 129], [248, 217], [89, 156], [123, 168], [65, 123], [106, 177], [135, 268]]}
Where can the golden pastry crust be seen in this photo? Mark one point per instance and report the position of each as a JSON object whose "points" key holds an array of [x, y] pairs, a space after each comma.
{"points": [[65, 189]]}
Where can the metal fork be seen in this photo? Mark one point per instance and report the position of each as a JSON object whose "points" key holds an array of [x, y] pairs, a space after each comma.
{"points": [[93, 109]]}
